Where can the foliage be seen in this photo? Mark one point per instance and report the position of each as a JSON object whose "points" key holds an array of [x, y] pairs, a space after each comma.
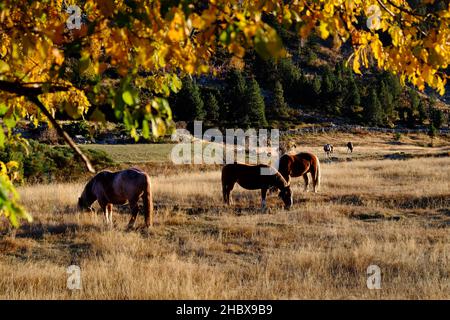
{"points": [[236, 93], [45, 163], [77, 128], [212, 107], [189, 104], [255, 105], [373, 110], [279, 106]]}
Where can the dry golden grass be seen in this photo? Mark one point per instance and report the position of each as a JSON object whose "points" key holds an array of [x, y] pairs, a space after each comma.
{"points": [[392, 213]]}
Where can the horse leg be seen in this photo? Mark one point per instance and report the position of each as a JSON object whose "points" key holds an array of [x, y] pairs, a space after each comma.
{"points": [[105, 212], [109, 209], [263, 198], [227, 193], [305, 177], [134, 212]]}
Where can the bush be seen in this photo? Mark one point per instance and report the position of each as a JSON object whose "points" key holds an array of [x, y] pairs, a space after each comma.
{"points": [[45, 163], [77, 128]]}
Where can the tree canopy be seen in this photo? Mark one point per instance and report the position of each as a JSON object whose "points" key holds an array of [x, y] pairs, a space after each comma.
{"points": [[126, 47]]}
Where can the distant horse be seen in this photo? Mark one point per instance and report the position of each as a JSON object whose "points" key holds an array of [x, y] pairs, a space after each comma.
{"points": [[328, 148], [350, 147], [252, 177], [300, 164], [119, 187]]}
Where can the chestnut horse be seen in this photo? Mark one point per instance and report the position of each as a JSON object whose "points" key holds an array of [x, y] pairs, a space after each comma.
{"points": [[300, 164], [254, 177], [119, 187]]}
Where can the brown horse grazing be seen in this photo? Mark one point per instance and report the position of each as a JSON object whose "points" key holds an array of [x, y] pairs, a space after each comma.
{"points": [[119, 187], [296, 165], [350, 147], [252, 177]]}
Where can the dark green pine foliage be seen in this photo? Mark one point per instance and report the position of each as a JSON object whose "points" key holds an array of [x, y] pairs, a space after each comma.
{"points": [[387, 102], [212, 108], [189, 104], [372, 110], [278, 107], [255, 105], [237, 88]]}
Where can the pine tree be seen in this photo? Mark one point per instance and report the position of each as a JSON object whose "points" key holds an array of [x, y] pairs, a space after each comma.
{"points": [[437, 118], [352, 95], [414, 100], [316, 85], [387, 101], [255, 105], [289, 74], [189, 104], [237, 88], [355, 97], [422, 112], [212, 107], [279, 106], [373, 110]]}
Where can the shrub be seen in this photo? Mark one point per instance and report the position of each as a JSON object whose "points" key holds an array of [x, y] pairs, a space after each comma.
{"points": [[44, 163], [77, 128]]}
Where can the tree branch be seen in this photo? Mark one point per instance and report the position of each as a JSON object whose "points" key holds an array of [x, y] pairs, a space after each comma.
{"points": [[61, 132], [24, 89], [411, 13], [31, 93]]}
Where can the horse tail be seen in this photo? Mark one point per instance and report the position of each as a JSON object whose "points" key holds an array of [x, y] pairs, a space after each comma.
{"points": [[316, 177], [148, 202]]}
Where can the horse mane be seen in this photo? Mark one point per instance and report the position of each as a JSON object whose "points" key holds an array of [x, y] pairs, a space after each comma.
{"points": [[279, 178], [88, 188], [87, 192]]}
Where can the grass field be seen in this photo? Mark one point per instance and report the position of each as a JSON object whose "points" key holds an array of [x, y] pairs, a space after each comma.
{"points": [[135, 153], [370, 210]]}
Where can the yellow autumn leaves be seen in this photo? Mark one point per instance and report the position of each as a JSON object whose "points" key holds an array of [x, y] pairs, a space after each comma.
{"points": [[9, 198]]}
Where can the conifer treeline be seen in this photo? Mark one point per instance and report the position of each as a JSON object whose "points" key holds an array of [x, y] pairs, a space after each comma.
{"points": [[270, 91]]}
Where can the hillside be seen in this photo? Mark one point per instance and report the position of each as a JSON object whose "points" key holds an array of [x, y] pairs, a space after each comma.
{"points": [[311, 85]]}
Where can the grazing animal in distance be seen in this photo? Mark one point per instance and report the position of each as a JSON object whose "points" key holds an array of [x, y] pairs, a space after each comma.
{"points": [[300, 164], [109, 188], [328, 148], [253, 177], [349, 147]]}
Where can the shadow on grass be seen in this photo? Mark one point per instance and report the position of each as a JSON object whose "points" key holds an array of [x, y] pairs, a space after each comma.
{"points": [[38, 230]]}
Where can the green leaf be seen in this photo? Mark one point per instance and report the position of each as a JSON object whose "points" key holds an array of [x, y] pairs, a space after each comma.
{"points": [[3, 109], [127, 97], [84, 63], [145, 129], [2, 138], [9, 122]]}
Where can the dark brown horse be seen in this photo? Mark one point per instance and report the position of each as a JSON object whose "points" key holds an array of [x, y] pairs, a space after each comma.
{"points": [[253, 177], [300, 164], [350, 147], [120, 187]]}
